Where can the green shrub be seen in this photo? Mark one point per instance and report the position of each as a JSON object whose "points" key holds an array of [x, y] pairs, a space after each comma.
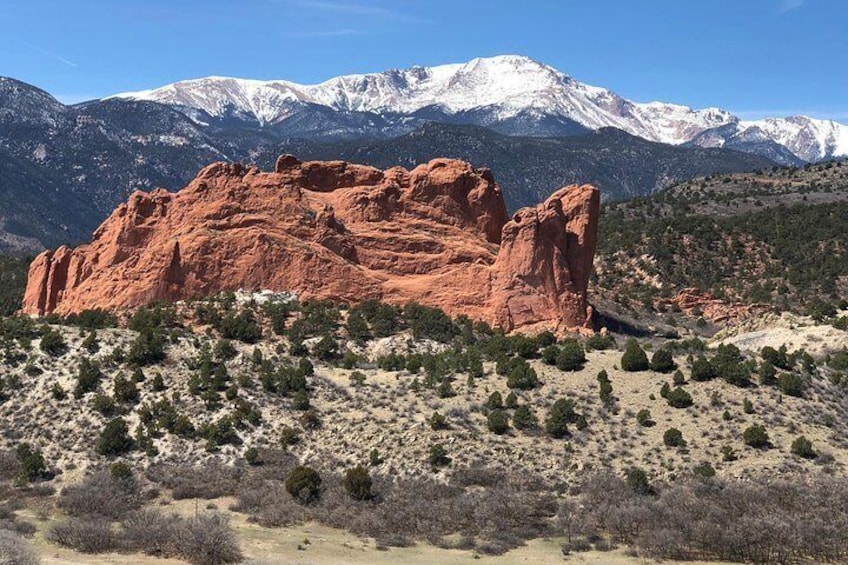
{"points": [[304, 484], [520, 375], [224, 350], [571, 356], [114, 439], [105, 405], [549, 355], [604, 388], [703, 370], [438, 456], [767, 373], [637, 480], [756, 436], [147, 348], [679, 398], [438, 422], [644, 418], [251, 455], [497, 421], [90, 342], [747, 406], [32, 463], [599, 342], [524, 346], [559, 416], [704, 470], [289, 436], [125, 390], [357, 482], [662, 361], [634, 358], [242, 327], [673, 438], [52, 343], [88, 377], [357, 378], [495, 401], [158, 383], [429, 323], [57, 392], [791, 384], [802, 447], [523, 418]]}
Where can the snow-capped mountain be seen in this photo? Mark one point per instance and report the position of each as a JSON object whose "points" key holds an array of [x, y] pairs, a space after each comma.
{"points": [[503, 89], [807, 138]]}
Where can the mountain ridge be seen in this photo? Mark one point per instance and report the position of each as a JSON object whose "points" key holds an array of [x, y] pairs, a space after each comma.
{"points": [[503, 86]]}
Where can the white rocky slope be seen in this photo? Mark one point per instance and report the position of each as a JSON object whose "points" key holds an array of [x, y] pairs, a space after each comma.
{"points": [[506, 85]]}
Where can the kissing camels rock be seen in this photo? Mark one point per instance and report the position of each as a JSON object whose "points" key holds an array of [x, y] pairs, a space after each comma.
{"points": [[438, 235]]}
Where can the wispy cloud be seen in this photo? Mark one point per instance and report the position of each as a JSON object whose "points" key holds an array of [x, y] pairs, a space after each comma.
{"points": [[47, 53], [789, 5], [357, 9], [324, 33]]}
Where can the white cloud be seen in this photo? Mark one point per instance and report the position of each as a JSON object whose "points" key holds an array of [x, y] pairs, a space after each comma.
{"points": [[327, 33], [789, 5]]}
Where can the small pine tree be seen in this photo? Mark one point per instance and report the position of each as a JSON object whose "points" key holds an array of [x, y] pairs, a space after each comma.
{"points": [[571, 356], [634, 358], [497, 421], [495, 401], [662, 361], [438, 456], [524, 419], [114, 439]]}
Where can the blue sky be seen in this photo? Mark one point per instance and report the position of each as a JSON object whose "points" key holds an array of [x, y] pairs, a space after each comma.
{"points": [[754, 57]]}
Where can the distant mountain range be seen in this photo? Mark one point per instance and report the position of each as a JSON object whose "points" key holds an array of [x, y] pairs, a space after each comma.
{"points": [[510, 94], [64, 168]]}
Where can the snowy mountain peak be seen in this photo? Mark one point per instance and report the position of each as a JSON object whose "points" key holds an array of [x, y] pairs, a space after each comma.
{"points": [[505, 86]]}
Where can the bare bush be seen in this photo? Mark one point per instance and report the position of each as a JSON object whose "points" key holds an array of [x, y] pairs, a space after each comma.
{"points": [[101, 494], [151, 532], [207, 539], [87, 535], [15, 550], [778, 522], [208, 481]]}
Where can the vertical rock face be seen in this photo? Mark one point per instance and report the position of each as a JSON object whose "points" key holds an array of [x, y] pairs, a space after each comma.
{"points": [[545, 261], [438, 234]]}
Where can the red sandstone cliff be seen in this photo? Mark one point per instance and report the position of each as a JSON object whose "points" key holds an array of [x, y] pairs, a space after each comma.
{"points": [[438, 234]]}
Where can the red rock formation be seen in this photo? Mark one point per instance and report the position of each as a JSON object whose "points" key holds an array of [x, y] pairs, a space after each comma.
{"points": [[438, 234], [694, 302]]}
